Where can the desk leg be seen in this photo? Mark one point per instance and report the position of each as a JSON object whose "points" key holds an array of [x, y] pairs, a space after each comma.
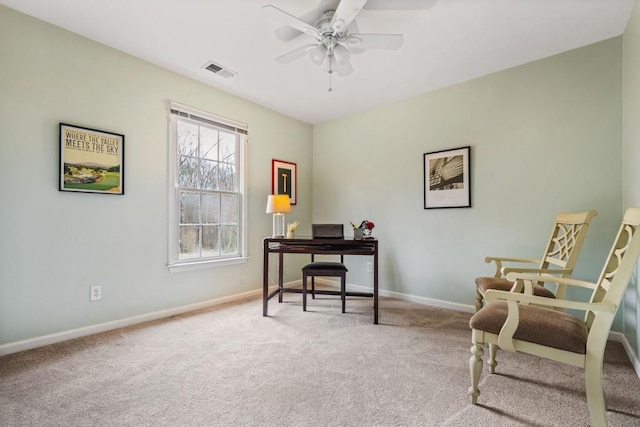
{"points": [[375, 285], [280, 275], [265, 278]]}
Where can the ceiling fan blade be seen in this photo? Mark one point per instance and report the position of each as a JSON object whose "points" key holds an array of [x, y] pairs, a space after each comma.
{"points": [[375, 41], [399, 4], [295, 54], [345, 13], [284, 18], [287, 33]]}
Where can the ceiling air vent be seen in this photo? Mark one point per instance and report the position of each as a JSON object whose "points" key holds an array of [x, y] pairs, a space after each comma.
{"points": [[219, 70]]}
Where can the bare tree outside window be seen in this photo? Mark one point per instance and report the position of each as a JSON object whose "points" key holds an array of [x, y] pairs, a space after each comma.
{"points": [[209, 197]]}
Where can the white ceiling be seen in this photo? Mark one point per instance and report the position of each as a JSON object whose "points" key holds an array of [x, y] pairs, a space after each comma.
{"points": [[445, 42]]}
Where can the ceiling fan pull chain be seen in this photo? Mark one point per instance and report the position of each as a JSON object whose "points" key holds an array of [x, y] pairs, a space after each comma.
{"points": [[330, 74]]}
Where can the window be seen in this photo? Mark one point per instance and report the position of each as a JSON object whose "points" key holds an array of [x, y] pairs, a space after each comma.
{"points": [[207, 195]]}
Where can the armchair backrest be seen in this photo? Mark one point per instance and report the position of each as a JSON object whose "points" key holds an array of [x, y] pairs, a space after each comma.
{"points": [[618, 268], [565, 243]]}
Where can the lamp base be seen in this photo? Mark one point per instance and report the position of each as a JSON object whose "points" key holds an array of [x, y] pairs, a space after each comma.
{"points": [[278, 226]]}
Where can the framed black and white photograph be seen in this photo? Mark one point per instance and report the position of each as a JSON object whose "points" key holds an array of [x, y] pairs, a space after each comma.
{"points": [[91, 161], [447, 178], [284, 179]]}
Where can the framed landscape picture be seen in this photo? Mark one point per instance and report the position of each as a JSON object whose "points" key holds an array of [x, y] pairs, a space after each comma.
{"points": [[91, 161], [284, 179], [447, 178]]}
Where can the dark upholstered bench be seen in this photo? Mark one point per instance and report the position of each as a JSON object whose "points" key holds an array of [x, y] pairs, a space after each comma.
{"points": [[326, 269]]}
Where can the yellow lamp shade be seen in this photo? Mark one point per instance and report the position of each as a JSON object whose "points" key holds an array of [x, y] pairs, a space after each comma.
{"points": [[278, 203]]}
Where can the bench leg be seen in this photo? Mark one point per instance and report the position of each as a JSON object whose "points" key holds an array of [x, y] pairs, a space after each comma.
{"points": [[343, 290], [304, 292]]}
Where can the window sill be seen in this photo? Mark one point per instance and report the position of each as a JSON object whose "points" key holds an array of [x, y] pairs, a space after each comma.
{"points": [[199, 265]]}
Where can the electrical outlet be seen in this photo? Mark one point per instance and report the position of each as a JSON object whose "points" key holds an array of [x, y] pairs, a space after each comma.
{"points": [[369, 267], [96, 292]]}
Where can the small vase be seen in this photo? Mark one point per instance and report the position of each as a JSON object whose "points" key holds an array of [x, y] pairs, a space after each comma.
{"points": [[366, 233], [290, 234], [357, 233]]}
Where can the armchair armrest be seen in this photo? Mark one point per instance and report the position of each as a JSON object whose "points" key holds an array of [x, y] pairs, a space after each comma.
{"points": [[527, 286], [500, 260], [495, 295], [507, 270], [512, 277], [489, 259]]}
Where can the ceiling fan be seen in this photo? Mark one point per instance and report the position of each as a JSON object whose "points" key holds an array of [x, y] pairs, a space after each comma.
{"points": [[333, 42]]}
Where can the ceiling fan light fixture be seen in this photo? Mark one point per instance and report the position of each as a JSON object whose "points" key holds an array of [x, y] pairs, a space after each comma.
{"points": [[341, 53], [353, 41], [338, 25], [317, 54]]}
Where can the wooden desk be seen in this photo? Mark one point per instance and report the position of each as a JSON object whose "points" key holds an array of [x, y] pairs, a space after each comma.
{"points": [[308, 245]]}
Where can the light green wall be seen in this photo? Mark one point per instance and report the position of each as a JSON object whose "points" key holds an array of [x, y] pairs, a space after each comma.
{"points": [[54, 245], [631, 159], [545, 137]]}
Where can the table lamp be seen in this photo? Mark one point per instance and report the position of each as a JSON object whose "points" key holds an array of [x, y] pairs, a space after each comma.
{"points": [[277, 204]]}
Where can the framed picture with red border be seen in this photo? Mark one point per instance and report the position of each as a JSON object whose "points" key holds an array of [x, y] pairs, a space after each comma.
{"points": [[284, 179]]}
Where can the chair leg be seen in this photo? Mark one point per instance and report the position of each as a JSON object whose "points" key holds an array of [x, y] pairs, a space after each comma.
{"points": [[595, 392], [304, 292], [479, 299], [475, 365], [493, 350], [313, 287], [343, 290]]}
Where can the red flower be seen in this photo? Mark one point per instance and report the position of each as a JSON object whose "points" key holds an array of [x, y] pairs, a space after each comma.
{"points": [[366, 224]]}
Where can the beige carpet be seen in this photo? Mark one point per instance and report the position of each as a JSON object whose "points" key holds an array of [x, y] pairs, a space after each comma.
{"points": [[229, 366]]}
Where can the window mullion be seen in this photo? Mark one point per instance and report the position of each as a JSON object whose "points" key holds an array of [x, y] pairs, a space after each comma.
{"points": [[200, 230]]}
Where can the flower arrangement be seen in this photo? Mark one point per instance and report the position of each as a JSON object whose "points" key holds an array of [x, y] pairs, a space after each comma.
{"points": [[365, 225], [364, 230], [291, 228]]}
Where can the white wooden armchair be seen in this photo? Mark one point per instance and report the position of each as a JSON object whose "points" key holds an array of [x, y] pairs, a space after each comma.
{"points": [[525, 323], [559, 258]]}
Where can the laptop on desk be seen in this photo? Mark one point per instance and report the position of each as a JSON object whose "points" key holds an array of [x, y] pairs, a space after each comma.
{"points": [[327, 231]]}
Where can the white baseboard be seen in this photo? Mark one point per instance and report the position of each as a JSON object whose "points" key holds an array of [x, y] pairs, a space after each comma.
{"points": [[406, 297], [31, 343], [430, 301]]}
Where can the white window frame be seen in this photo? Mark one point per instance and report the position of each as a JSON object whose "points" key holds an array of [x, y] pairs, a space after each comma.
{"points": [[176, 264]]}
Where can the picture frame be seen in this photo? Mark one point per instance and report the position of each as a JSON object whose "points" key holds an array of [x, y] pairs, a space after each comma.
{"points": [[284, 179], [447, 178], [91, 160]]}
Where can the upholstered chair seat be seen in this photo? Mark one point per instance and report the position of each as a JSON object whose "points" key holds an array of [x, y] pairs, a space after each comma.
{"points": [[569, 332]]}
